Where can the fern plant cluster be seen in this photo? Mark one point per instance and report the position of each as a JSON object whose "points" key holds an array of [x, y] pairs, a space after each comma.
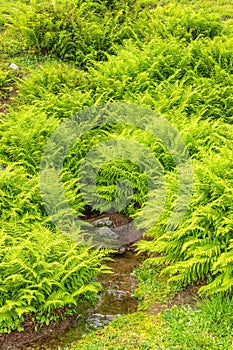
{"points": [[88, 31], [177, 62], [42, 271], [81, 31]]}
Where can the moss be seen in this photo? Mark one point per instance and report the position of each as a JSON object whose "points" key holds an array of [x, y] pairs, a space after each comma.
{"points": [[135, 331]]}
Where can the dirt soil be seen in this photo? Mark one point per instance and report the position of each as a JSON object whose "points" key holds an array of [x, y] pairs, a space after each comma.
{"points": [[188, 296], [6, 101], [16, 340]]}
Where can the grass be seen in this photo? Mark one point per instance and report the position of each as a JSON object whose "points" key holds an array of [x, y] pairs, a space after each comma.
{"points": [[153, 288], [208, 327]]}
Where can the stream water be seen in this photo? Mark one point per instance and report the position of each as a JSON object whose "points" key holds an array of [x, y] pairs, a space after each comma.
{"points": [[116, 299]]}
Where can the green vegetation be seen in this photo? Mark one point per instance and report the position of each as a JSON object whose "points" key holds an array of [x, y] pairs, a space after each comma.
{"points": [[7, 79], [42, 271], [173, 329], [153, 288], [174, 57]]}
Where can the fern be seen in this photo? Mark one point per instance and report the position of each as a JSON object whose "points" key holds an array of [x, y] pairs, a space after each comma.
{"points": [[38, 269], [175, 61]]}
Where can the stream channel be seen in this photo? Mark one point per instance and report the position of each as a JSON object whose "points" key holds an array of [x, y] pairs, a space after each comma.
{"points": [[116, 299]]}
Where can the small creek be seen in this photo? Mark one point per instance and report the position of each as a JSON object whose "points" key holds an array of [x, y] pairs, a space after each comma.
{"points": [[116, 299]]}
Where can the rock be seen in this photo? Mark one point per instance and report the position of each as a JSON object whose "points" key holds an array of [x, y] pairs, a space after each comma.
{"points": [[102, 222], [111, 317], [101, 316], [14, 66], [113, 230], [128, 233], [122, 235], [107, 233], [96, 321], [120, 250]]}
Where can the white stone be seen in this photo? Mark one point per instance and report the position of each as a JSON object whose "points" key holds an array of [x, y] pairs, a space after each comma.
{"points": [[14, 66]]}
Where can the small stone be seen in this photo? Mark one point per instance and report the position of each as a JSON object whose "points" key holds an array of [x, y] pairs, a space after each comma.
{"points": [[107, 233], [110, 317], [98, 316], [14, 66], [121, 250], [102, 222]]}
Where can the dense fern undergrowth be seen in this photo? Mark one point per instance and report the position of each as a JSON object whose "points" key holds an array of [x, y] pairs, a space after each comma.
{"points": [[173, 59]]}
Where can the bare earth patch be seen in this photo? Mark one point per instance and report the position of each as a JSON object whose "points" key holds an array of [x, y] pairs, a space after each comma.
{"points": [[188, 296]]}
